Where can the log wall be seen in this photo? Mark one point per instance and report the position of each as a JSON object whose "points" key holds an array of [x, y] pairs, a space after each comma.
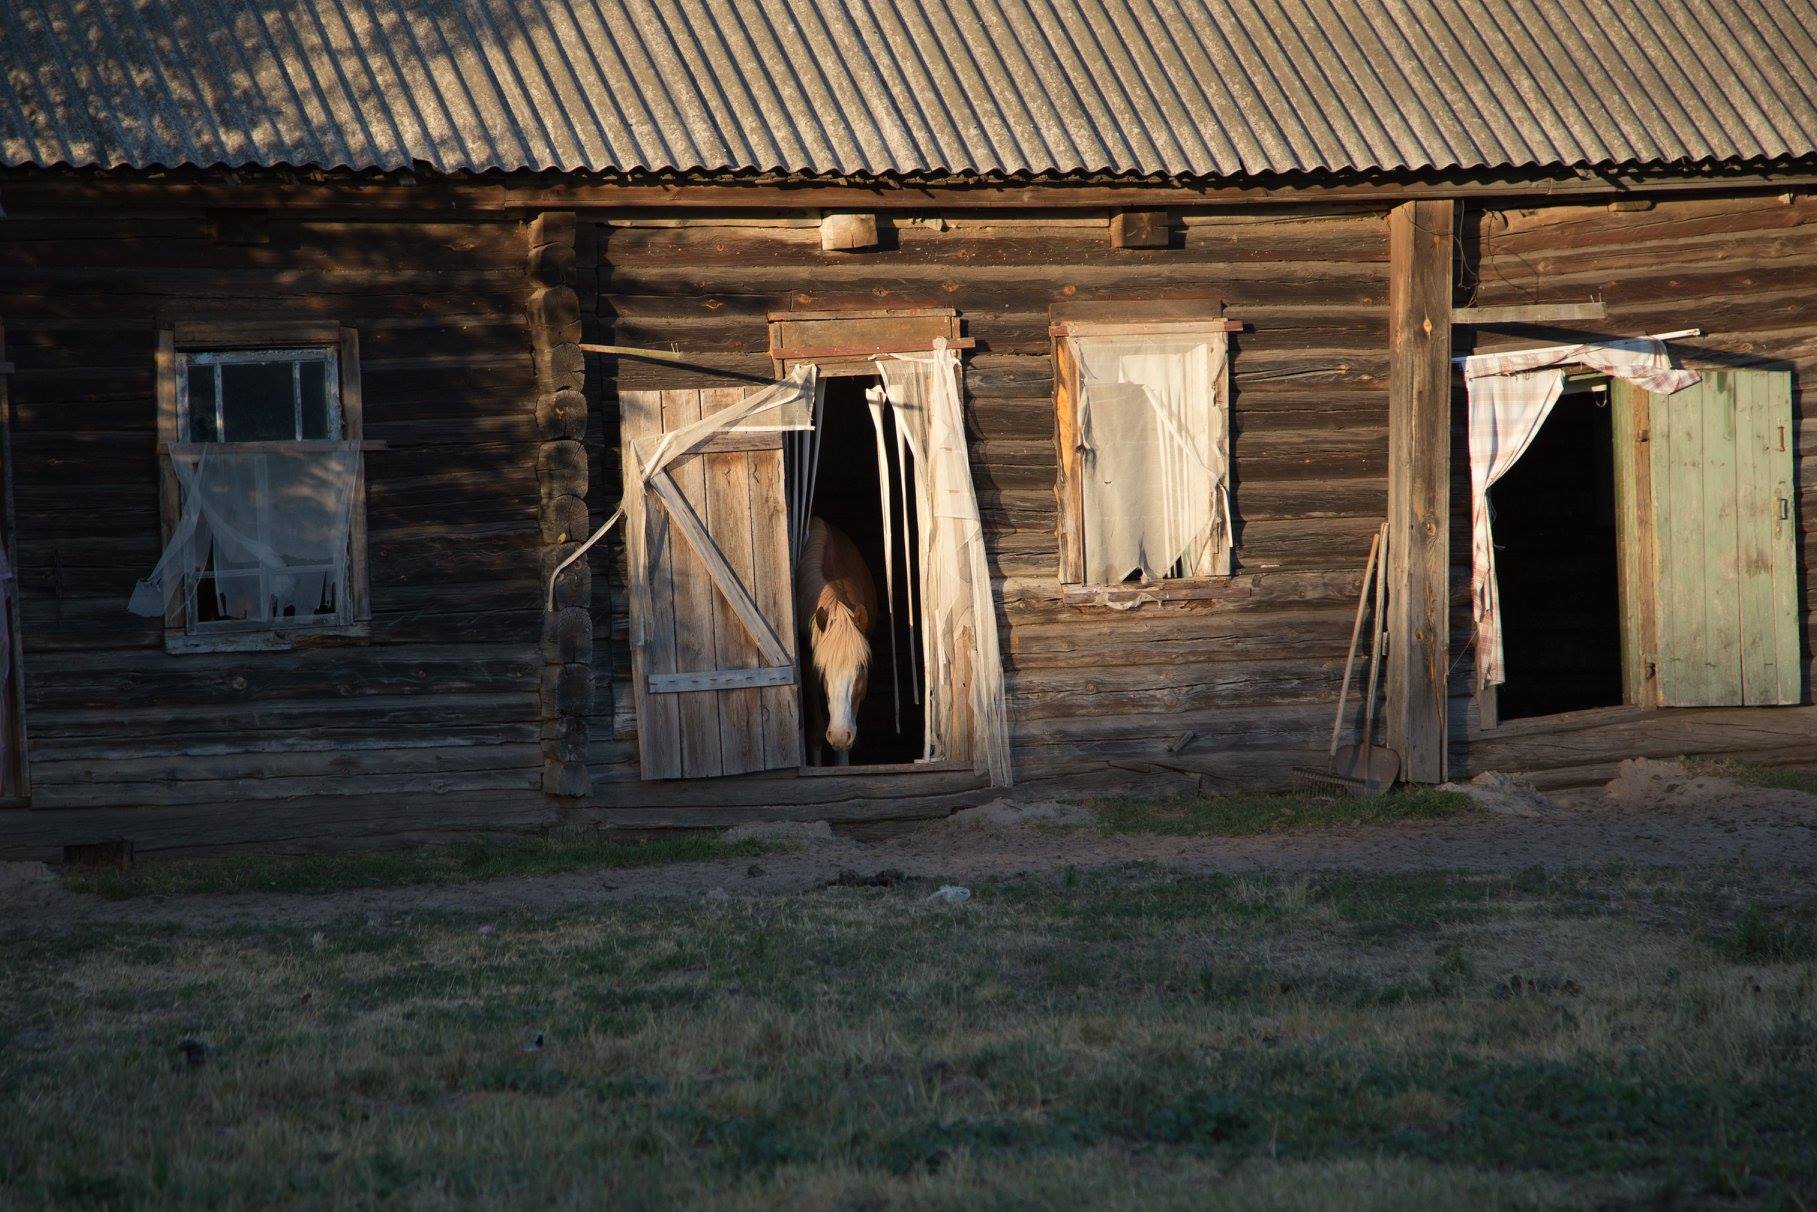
{"points": [[1249, 673], [442, 702], [1744, 270]]}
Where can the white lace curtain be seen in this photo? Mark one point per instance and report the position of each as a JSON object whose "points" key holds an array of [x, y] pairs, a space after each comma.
{"points": [[270, 527], [1154, 436]]}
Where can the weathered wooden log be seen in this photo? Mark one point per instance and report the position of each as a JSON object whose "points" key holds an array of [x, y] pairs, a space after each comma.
{"points": [[568, 637], [567, 780], [561, 467], [564, 519], [562, 415], [567, 690], [561, 367], [552, 227], [552, 264]]}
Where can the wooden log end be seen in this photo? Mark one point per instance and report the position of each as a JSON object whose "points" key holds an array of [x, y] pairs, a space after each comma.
{"points": [[567, 690], [844, 231], [553, 227], [553, 264], [568, 780], [1141, 229], [568, 637], [562, 415]]}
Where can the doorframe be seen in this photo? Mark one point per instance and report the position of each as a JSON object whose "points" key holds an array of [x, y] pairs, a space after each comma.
{"points": [[847, 344], [9, 536], [1634, 559]]}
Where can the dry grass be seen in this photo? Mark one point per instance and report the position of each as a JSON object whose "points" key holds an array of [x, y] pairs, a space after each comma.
{"points": [[1123, 1040]]}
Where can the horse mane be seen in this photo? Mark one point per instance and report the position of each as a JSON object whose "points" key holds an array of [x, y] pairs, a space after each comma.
{"points": [[836, 599], [841, 643]]}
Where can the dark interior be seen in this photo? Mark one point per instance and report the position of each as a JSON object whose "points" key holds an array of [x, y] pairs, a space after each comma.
{"points": [[1555, 561], [846, 497]]}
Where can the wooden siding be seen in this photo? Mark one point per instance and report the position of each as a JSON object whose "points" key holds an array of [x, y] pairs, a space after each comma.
{"points": [[1250, 672], [442, 702], [1744, 270]]}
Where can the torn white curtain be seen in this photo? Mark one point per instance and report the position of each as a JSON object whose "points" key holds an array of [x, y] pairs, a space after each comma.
{"points": [[1154, 436], [272, 525], [781, 407], [959, 613], [1511, 395]]}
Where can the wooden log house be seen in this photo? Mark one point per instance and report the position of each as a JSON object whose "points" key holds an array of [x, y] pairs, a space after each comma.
{"points": [[493, 248]]}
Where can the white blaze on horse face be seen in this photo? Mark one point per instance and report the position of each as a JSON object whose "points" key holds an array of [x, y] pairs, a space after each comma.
{"points": [[842, 723], [842, 656]]}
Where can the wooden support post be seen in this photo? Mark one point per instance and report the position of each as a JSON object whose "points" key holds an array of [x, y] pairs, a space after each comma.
{"points": [[553, 312], [1419, 484]]}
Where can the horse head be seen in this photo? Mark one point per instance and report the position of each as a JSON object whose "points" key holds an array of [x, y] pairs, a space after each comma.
{"points": [[842, 658]]}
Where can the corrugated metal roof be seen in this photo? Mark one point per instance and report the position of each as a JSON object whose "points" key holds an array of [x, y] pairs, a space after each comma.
{"points": [[1181, 87]]}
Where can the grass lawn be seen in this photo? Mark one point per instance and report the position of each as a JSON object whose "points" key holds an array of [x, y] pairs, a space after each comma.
{"points": [[1129, 1039], [388, 868]]}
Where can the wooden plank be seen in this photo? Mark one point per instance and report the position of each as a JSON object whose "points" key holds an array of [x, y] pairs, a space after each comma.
{"points": [[694, 533], [1069, 483], [652, 637], [1788, 618], [1768, 569], [1721, 538], [873, 350], [693, 602], [1633, 538], [773, 587], [728, 519], [724, 680], [1530, 313], [1419, 485], [1114, 328], [1683, 671]]}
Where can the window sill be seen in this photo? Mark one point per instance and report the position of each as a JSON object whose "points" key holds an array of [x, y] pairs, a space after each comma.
{"points": [[1122, 597], [183, 643]]}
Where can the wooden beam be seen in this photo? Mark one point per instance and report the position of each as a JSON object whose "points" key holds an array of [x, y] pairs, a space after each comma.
{"points": [[1531, 313], [40, 189], [1420, 236]]}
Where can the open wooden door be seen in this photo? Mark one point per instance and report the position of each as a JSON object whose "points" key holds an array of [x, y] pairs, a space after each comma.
{"points": [[1714, 512], [712, 597]]}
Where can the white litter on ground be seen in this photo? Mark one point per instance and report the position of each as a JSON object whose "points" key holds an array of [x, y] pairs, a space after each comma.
{"points": [[1000, 814], [1504, 795], [950, 894]]}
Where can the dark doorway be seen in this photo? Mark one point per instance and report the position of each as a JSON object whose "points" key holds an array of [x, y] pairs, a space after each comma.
{"points": [[847, 497], [1555, 561]]}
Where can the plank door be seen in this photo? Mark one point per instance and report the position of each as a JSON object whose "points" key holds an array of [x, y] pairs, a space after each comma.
{"points": [[712, 601], [1724, 520]]}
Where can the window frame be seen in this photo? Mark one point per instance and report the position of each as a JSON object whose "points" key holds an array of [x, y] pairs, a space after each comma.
{"points": [[1069, 482], [235, 342]]}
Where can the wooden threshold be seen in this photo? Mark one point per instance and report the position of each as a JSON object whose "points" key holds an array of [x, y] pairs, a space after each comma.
{"points": [[882, 768]]}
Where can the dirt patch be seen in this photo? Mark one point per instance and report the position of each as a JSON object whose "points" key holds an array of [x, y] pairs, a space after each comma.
{"points": [[1653, 813]]}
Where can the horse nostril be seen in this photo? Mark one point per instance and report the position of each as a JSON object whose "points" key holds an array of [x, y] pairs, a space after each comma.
{"points": [[840, 740]]}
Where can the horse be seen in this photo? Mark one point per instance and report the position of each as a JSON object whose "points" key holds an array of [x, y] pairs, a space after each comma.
{"points": [[836, 601]]}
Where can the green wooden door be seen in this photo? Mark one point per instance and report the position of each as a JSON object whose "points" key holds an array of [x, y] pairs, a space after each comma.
{"points": [[1725, 527]]}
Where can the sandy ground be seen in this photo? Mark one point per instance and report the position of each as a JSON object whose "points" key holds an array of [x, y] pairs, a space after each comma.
{"points": [[1653, 813]]}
